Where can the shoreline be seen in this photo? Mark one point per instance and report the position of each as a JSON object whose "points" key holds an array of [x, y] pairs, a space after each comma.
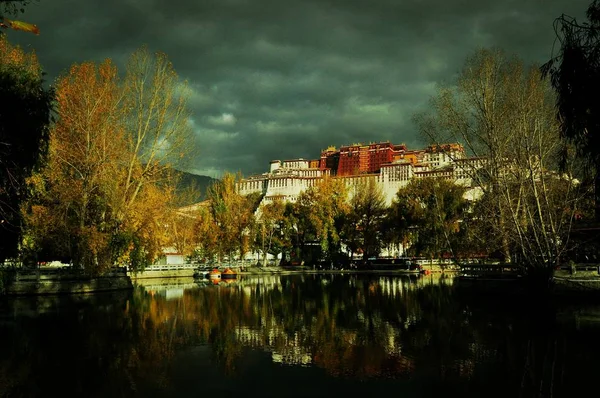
{"points": [[307, 270]]}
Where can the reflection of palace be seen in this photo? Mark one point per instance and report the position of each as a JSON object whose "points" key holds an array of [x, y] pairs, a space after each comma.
{"points": [[323, 330], [395, 286], [298, 347], [289, 350]]}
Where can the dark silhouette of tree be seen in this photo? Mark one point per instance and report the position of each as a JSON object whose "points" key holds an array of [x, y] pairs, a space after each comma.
{"points": [[25, 116], [575, 75], [13, 7]]}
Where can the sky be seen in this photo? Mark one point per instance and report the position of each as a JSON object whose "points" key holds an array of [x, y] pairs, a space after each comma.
{"points": [[284, 79]]}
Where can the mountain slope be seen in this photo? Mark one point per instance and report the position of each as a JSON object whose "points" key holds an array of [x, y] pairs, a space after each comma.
{"points": [[195, 185]]}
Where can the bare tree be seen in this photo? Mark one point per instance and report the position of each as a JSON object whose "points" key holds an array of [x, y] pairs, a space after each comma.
{"points": [[157, 129], [503, 112]]}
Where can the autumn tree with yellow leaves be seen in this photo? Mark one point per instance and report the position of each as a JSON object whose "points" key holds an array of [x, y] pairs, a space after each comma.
{"points": [[109, 185], [232, 215]]}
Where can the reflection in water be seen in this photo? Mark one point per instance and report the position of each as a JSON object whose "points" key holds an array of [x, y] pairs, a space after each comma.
{"points": [[308, 335]]}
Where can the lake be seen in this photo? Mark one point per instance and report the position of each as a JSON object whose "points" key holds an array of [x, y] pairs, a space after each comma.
{"points": [[298, 336]]}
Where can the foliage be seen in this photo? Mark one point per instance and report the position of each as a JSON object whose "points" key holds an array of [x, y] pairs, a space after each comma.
{"points": [[320, 211], [575, 75], [299, 232], [108, 190], [503, 112], [270, 229], [232, 215], [208, 242], [25, 116], [364, 220], [426, 214], [14, 7]]}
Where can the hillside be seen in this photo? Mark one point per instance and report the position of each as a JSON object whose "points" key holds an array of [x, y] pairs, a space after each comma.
{"points": [[197, 182]]}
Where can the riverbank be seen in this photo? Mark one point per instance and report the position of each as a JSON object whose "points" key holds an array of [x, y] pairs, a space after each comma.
{"points": [[159, 272], [309, 270]]}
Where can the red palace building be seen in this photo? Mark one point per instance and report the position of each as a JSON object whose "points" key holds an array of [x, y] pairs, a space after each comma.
{"points": [[359, 158]]}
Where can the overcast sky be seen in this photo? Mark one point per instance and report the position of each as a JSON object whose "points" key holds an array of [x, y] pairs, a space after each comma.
{"points": [[277, 79]]}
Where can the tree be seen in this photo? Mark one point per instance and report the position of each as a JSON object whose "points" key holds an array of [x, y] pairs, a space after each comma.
{"points": [[233, 215], [575, 75], [270, 229], [13, 7], [427, 213], [25, 117], [157, 129], [183, 220], [299, 230], [86, 146], [207, 235], [321, 210], [363, 224], [503, 112], [109, 180]]}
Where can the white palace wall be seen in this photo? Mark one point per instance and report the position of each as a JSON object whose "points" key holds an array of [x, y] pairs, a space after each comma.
{"points": [[288, 179]]}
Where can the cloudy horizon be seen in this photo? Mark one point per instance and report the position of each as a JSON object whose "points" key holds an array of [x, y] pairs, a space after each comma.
{"points": [[285, 79]]}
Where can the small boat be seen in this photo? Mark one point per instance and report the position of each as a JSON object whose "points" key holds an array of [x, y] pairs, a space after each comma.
{"points": [[229, 274], [200, 274], [215, 274]]}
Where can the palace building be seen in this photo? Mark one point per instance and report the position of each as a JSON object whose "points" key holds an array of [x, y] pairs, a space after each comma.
{"points": [[392, 165]]}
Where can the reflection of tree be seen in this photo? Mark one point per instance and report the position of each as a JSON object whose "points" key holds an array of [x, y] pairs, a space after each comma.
{"points": [[359, 327]]}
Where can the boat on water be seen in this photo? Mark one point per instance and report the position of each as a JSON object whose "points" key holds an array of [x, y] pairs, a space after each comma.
{"points": [[215, 274], [228, 274], [202, 272]]}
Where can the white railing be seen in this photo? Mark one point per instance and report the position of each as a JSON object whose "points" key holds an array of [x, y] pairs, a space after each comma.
{"points": [[170, 267]]}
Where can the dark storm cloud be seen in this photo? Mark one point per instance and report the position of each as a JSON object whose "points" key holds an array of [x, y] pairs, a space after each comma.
{"points": [[285, 79]]}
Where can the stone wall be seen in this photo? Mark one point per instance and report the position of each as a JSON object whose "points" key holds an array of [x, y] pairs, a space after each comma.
{"points": [[27, 283]]}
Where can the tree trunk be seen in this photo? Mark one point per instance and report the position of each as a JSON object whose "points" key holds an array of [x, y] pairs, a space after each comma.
{"points": [[597, 192]]}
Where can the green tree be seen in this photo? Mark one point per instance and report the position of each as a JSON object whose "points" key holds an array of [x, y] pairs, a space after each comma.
{"points": [[321, 210], [270, 229], [364, 222], [298, 231], [25, 117], [428, 212]]}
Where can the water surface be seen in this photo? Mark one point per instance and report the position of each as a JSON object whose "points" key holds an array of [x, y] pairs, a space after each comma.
{"points": [[298, 336]]}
